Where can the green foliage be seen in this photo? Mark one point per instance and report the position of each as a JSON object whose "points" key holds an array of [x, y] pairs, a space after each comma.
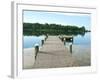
{"points": [[51, 29]]}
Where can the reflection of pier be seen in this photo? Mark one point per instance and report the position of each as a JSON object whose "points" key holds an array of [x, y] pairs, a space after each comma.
{"points": [[68, 40], [53, 54]]}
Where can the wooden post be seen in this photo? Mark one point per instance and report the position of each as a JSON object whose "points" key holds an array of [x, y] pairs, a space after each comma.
{"points": [[72, 39], [42, 42], [61, 39], [64, 41], [46, 36], [71, 48], [36, 51]]}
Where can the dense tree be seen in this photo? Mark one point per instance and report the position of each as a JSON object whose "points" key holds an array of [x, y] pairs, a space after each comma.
{"points": [[51, 29]]}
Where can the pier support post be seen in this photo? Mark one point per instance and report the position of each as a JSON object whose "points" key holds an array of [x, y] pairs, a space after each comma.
{"points": [[72, 39], [36, 51], [42, 42], [71, 48], [64, 41]]}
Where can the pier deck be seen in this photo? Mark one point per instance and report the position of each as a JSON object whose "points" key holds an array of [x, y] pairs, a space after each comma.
{"points": [[54, 54]]}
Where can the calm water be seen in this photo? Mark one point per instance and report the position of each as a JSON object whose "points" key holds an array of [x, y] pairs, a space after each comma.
{"points": [[83, 40], [80, 48], [31, 41]]}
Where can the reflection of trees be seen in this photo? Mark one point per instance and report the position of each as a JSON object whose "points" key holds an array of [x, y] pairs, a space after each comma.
{"points": [[52, 29]]}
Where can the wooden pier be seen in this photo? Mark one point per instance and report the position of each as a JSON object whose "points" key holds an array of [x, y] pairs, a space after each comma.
{"points": [[54, 54], [67, 38]]}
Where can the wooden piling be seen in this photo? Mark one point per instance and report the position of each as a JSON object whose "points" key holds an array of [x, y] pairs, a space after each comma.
{"points": [[36, 51]]}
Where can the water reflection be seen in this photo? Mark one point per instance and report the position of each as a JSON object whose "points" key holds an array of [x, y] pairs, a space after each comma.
{"points": [[80, 48], [70, 40], [32, 41]]}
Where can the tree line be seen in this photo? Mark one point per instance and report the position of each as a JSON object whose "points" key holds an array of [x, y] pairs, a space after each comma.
{"points": [[52, 29]]}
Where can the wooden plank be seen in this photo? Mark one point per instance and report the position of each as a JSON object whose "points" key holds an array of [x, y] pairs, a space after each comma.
{"points": [[54, 54]]}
